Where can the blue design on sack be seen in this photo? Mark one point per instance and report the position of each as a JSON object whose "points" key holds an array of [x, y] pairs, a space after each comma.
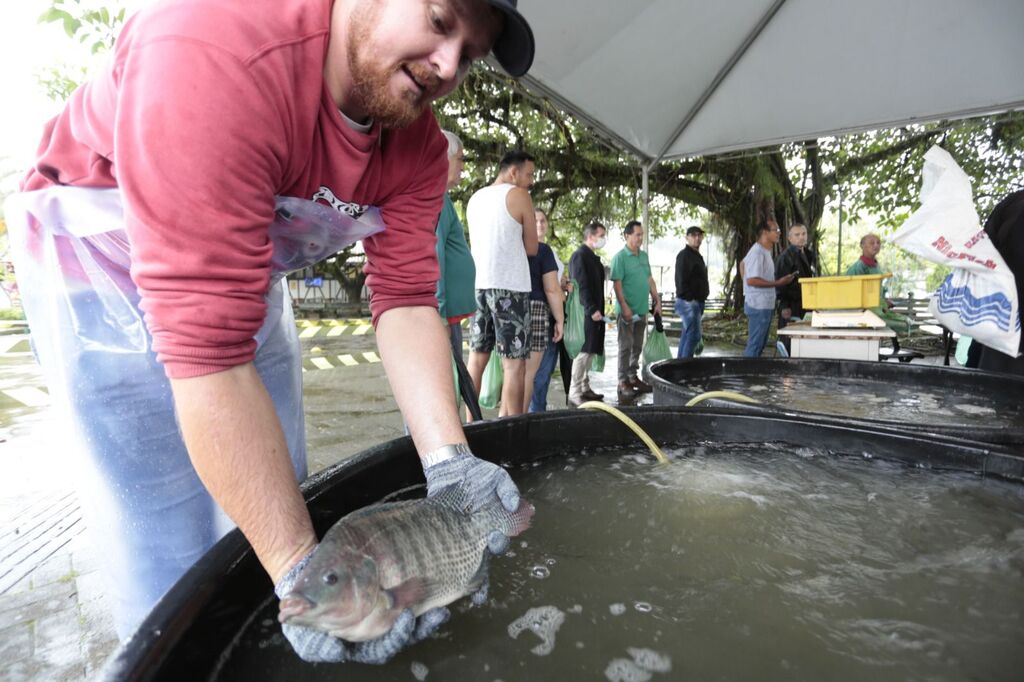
{"points": [[973, 310]]}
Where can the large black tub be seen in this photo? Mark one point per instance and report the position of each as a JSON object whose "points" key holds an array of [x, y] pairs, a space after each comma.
{"points": [[981, 406], [193, 628]]}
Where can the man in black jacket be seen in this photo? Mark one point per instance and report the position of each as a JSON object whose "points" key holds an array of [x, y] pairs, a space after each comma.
{"points": [[586, 268], [799, 259], [691, 291]]}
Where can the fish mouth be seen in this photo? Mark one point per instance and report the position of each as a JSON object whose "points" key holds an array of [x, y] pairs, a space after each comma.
{"points": [[293, 606]]}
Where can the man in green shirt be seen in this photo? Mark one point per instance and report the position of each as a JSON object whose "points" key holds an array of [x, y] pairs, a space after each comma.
{"points": [[867, 264], [456, 296], [634, 287]]}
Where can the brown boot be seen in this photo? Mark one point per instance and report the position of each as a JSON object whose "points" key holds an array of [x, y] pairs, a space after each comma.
{"points": [[590, 394], [626, 391], [640, 386]]}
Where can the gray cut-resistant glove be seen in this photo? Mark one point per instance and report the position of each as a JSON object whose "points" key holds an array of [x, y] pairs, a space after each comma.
{"points": [[475, 483], [478, 482], [315, 646]]}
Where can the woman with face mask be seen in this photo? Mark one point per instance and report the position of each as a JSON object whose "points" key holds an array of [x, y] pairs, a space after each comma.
{"points": [[586, 268]]}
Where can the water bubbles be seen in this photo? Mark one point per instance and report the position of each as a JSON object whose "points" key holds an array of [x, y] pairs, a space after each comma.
{"points": [[575, 608], [643, 607], [540, 572], [617, 609], [543, 621], [550, 561], [420, 671]]}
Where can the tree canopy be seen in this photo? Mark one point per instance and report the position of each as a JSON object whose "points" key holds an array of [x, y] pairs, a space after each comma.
{"points": [[581, 177]]}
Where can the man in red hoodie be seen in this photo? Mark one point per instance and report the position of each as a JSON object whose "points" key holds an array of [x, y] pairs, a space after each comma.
{"points": [[227, 142]]}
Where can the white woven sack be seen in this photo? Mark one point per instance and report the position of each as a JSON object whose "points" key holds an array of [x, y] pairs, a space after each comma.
{"points": [[979, 298]]}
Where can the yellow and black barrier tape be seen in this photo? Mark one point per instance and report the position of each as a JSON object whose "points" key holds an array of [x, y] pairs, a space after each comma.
{"points": [[319, 360], [356, 327]]}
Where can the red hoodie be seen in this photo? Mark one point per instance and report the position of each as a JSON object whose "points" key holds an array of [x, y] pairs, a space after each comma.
{"points": [[208, 110]]}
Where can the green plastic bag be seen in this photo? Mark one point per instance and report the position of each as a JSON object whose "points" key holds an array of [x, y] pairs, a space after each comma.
{"points": [[598, 363], [963, 347], [490, 389], [573, 334], [656, 349]]}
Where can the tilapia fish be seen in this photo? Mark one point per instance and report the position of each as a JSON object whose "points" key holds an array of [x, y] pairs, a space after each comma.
{"points": [[383, 559]]}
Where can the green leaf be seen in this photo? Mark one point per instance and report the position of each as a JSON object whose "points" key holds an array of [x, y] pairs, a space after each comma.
{"points": [[53, 14], [71, 25]]}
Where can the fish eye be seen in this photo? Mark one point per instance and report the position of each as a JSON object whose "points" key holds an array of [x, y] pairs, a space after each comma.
{"points": [[330, 578]]}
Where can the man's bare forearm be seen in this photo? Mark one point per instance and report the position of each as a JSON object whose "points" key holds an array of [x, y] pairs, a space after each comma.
{"points": [[237, 446], [416, 353]]}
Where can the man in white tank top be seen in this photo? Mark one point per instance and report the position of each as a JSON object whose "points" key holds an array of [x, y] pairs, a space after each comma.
{"points": [[502, 233]]}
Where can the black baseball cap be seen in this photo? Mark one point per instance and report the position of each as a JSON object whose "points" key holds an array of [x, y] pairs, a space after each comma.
{"points": [[514, 47], [693, 230]]}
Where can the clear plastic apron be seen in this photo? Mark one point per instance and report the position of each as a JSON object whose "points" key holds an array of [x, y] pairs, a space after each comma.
{"points": [[150, 516]]}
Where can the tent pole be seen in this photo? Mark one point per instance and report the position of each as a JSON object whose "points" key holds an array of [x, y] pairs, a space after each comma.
{"points": [[839, 256], [646, 175]]}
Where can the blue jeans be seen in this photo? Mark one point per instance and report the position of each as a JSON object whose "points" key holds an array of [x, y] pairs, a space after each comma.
{"points": [[690, 312], [759, 321], [539, 401]]}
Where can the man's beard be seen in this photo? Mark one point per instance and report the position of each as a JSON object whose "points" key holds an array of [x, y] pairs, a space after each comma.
{"points": [[372, 81]]}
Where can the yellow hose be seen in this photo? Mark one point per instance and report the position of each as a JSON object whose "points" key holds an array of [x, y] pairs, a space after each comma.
{"points": [[604, 407], [730, 395]]}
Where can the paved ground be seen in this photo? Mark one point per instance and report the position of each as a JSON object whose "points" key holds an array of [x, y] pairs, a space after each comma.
{"points": [[54, 624]]}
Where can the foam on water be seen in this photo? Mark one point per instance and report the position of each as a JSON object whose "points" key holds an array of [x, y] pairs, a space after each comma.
{"points": [[543, 621], [640, 668], [419, 671]]}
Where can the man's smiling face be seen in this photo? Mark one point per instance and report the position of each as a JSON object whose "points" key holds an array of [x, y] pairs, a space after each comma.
{"points": [[403, 54]]}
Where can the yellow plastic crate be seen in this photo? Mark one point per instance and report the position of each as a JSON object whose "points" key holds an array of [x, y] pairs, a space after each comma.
{"points": [[843, 292]]}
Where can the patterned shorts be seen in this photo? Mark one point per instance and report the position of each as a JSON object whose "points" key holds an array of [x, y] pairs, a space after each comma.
{"points": [[540, 326], [502, 321]]}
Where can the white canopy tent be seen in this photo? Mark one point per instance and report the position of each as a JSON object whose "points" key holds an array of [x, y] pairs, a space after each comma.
{"points": [[678, 78], [668, 79]]}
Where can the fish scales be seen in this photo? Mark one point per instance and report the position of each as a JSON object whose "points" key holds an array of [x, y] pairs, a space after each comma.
{"points": [[413, 547], [426, 539], [422, 553]]}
